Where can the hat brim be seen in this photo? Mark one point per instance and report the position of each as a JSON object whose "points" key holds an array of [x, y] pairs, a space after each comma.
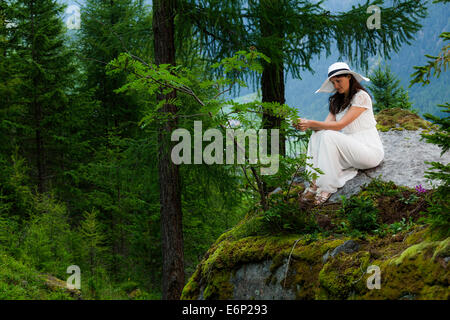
{"points": [[327, 86]]}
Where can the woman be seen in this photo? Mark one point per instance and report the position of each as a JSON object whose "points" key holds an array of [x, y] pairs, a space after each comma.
{"points": [[347, 140]]}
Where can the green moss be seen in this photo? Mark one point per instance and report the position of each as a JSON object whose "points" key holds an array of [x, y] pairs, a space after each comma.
{"points": [[219, 288], [303, 279], [191, 290], [332, 244], [252, 227], [413, 273], [387, 128], [434, 292], [400, 119], [412, 252], [442, 249], [416, 237], [342, 276], [304, 266]]}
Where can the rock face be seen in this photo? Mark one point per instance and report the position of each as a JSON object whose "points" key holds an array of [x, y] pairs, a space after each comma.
{"points": [[404, 163], [246, 283], [411, 267], [349, 246]]}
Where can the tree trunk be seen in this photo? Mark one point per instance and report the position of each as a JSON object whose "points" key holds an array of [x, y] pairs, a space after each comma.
{"points": [[170, 195], [272, 87], [272, 80]]}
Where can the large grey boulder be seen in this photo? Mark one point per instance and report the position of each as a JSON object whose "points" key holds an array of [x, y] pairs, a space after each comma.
{"points": [[404, 163], [249, 282]]}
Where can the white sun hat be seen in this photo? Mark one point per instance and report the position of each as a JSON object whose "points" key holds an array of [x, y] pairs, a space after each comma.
{"points": [[337, 69]]}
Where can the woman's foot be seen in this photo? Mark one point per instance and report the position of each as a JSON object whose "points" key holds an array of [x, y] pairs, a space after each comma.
{"points": [[309, 193], [322, 197]]}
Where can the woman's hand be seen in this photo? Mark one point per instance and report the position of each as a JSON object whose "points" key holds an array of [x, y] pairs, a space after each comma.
{"points": [[303, 124]]}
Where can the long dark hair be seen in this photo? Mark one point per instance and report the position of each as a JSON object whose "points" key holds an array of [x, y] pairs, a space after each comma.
{"points": [[338, 101]]}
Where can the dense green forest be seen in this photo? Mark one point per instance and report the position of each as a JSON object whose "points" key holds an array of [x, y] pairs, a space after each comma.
{"points": [[81, 176], [79, 180], [300, 92]]}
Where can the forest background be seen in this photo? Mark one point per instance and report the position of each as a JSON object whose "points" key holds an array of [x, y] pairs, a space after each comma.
{"points": [[79, 180]]}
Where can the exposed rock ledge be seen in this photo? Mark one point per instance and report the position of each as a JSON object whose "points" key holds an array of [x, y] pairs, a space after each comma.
{"points": [[290, 267], [404, 163]]}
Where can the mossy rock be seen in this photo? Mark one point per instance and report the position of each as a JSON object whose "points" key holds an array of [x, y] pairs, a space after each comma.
{"points": [[400, 119], [209, 280], [251, 262], [415, 274], [342, 277], [411, 264]]}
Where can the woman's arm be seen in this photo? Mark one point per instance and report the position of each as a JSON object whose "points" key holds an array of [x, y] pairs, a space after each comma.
{"points": [[353, 113], [330, 117]]}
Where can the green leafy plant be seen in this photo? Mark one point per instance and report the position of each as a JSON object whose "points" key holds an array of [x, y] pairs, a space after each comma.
{"points": [[382, 230], [151, 78], [311, 237], [380, 187], [410, 200], [441, 136], [290, 168], [437, 214], [360, 212], [47, 239], [435, 63], [284, 216], [401, 225]]}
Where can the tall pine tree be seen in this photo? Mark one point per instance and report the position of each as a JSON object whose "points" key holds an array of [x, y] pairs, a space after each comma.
{"points": [[43, 66], [169, 178], [293, 32], [107, 29], [8, 86]]}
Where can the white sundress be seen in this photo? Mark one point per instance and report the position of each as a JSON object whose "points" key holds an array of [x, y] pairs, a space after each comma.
{"points": [[339, 154]]}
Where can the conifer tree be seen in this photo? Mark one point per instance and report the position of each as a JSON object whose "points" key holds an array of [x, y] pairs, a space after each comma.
{"points": [[43, 66], [387, 91], [294, 32], [7, 85], [107, 29], [169, 178], [437, 213], [92, 238]]}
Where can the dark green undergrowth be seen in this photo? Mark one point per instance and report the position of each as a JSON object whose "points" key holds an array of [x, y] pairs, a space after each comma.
{"points": [[21, 282], [381, 208]]}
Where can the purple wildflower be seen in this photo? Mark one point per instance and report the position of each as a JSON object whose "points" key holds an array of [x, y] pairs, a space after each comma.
{"points": [[420, 189]]}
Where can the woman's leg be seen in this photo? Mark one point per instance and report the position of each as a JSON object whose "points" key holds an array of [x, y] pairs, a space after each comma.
{"points": [[339, 156], [313, 154], [311, 190]]}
